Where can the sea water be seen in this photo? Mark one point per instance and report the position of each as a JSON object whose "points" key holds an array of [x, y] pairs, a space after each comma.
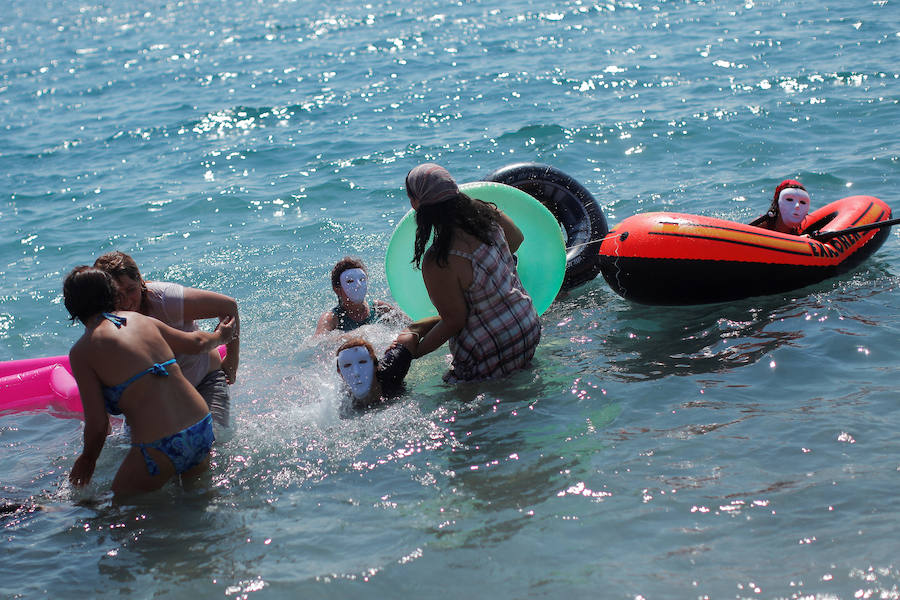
{"points": [[745, 450]]}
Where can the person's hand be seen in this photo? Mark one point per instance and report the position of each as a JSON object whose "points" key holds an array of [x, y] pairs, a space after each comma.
{"points": [[82, 471], [407, 339], [226, 329]]}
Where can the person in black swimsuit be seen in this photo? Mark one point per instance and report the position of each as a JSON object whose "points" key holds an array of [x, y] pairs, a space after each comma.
{"points": [[370, 381], [349, 280]]}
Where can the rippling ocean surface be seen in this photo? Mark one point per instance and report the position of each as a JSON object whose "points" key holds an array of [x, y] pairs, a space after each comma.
{"points": [[745, 450]]}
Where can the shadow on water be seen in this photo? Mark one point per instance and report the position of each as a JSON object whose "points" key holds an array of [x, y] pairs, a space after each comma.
{"points": [[130, 542], [14, 513], [642, 342], [698, 340], [519, 443]]}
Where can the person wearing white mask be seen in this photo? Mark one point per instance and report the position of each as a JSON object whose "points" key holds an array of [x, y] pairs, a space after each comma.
{"points": [[349, 280], [789, 208], [370, 381]]}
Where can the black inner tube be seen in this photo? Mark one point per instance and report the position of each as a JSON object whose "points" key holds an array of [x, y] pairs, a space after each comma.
{"points": [[579, 216]]}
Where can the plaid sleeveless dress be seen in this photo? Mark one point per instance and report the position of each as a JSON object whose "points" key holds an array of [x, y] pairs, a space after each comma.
{"points": [[502, 329]]}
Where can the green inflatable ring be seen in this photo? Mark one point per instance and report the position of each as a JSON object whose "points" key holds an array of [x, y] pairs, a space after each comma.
{"points": [[542, 256]]}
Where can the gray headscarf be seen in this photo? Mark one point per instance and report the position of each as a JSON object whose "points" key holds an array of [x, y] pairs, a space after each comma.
{"points": [[429, 183]]}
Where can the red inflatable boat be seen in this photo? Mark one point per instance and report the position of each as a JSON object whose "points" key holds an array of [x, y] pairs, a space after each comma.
{"points": [[671, 258]]}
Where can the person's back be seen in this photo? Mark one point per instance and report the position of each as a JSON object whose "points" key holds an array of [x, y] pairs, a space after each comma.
{"points": [[152, 405], [465, 248], [502, 328]]}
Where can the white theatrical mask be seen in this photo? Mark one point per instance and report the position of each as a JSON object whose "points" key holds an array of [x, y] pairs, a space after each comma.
{"points": [[793, 206], [354, 283], [357, 369]]}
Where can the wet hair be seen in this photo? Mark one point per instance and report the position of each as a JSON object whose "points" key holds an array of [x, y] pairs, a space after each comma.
{"points": [[348, 262], [475, 217], [88, 291], [353, 343], [118, 263]]}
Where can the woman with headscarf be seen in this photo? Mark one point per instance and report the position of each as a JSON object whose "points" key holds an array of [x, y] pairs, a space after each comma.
{"points": [[470, 274], [788, 210]]}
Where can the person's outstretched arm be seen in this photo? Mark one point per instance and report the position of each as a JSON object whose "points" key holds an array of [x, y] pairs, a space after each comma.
{"points": [[326, 323], [195, 342], [410, 337]]}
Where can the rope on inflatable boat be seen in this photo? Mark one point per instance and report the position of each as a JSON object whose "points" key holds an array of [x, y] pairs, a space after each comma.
{"points": [[827, 235]]}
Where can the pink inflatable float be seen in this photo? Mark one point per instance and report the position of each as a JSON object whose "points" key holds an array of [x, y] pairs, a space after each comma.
{"points": [[36, 384]]}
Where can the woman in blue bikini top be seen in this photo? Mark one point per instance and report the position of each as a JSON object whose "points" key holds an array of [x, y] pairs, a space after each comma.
{"points": [[123, 364]]}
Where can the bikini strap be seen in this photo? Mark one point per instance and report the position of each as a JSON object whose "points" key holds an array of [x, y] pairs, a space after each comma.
{"points": [[160, 368], [152, 467], [114, 319], [156, 369]]}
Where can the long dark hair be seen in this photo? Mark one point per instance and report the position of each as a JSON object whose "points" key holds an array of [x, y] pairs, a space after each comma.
{"points": [[88, 291], [769, 219], [475, 217]]}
